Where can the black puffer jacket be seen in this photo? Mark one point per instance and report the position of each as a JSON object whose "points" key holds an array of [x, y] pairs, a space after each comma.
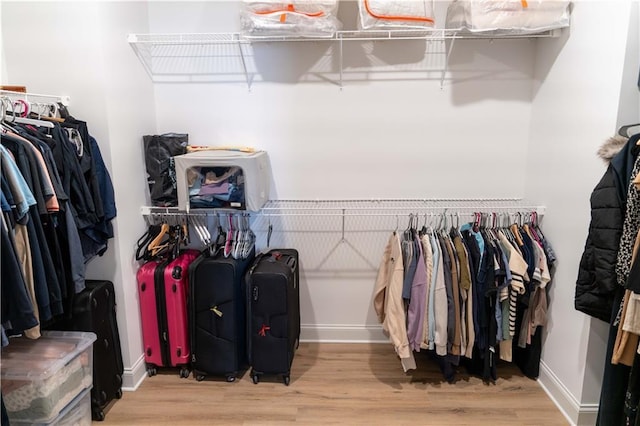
{"points": [[596, 282]]}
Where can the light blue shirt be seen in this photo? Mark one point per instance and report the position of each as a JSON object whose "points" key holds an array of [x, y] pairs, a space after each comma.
{"points": [[17, 183]]}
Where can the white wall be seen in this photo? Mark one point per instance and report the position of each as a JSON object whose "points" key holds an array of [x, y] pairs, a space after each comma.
{"points": [[385, 135], [574, 110], [79, 49], [629, 104]]}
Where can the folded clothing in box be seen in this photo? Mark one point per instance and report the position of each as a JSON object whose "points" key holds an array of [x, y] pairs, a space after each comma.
{"points": [[223, 179]]}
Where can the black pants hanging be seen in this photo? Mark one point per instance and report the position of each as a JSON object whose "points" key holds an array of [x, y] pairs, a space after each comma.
{"points": [[615, 379]]}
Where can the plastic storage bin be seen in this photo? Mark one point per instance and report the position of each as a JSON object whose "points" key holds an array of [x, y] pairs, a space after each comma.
{"points": [[77, 413], [221, 179], [41, 377]]}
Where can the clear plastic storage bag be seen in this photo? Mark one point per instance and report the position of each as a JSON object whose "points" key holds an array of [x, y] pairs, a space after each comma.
{"points": [[508, 16], [395, 14], [299, 18]]}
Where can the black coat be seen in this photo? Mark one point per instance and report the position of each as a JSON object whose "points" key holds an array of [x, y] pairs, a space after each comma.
{"points": [[596, 283]]}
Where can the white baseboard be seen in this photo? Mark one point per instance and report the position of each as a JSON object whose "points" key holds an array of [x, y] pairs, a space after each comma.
{"points": [[133, 377], [577, 414], [342, 333], [588, 414]]}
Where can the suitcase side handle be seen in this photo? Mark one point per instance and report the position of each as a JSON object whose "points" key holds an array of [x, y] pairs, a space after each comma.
{"points": [[277, 256], [292, 263]]}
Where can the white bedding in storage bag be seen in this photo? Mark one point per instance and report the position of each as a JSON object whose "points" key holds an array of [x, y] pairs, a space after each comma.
{"points": [[508, 16], [296, 18], [255, 168], [395, 14]]}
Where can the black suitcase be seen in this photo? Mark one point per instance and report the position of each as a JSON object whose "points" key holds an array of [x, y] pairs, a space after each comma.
{"points": [[94, 309], [273, 313], [217, 312]]}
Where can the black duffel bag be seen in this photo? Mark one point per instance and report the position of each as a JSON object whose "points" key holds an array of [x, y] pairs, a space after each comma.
{"points": [[159, 151]]}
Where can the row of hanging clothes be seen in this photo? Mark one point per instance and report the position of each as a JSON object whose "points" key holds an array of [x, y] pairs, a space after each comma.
{"points": [[608, 282], [57, 207], [469, 295], [168, 234]]}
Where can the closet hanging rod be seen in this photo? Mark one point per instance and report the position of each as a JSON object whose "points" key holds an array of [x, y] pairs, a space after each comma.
{"points": [[449, 212], [64, 100], [394, 205]]}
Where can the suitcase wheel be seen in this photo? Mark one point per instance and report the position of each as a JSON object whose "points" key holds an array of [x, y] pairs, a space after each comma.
{"points": [[200, 377], [255, 379], [98, 415], [119, 394], [151, 371], [287, 380], [231, 379], [184, 372]]}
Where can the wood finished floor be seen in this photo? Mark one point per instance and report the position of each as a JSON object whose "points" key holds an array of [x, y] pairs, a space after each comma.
{"points": [[340, 384]]}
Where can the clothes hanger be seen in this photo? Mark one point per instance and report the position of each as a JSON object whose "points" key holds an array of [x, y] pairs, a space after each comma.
{"points": [[228, 246], [238, 239], [629, 130], [24, 120], [50, 113], [157, 245], [222, 236], [143, 242], [269, 232]]}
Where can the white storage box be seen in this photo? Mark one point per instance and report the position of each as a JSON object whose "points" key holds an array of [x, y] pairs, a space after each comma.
{"points": [[77, 413], [222, 179], [41, 377], [508, 16]]}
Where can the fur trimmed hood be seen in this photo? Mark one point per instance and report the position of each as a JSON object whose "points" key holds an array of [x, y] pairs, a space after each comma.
{"points": [[611, 147]]}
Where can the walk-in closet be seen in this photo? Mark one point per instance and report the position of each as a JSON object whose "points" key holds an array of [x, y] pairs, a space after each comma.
{"points": [[422, 211]]}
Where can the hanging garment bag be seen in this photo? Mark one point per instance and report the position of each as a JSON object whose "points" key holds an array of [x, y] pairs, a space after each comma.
{"points": [[273, 304], [218, 315], [162, 288], [94, 309]]}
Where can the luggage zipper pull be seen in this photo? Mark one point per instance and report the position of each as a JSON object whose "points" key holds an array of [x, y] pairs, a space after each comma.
{"points": [[263, 330], [216, 311]]}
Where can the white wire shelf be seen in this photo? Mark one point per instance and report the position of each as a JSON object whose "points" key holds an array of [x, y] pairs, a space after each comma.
{"points": [[224, 57], [32, 97], [370, 207], [352, 35]]}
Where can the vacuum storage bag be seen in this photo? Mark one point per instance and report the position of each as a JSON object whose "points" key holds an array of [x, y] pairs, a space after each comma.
{"points": [[508, 16], [299, 18], [395, 14]]}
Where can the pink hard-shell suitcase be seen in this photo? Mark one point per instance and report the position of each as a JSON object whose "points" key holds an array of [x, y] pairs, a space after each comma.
{"points": [[162, 288]]}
